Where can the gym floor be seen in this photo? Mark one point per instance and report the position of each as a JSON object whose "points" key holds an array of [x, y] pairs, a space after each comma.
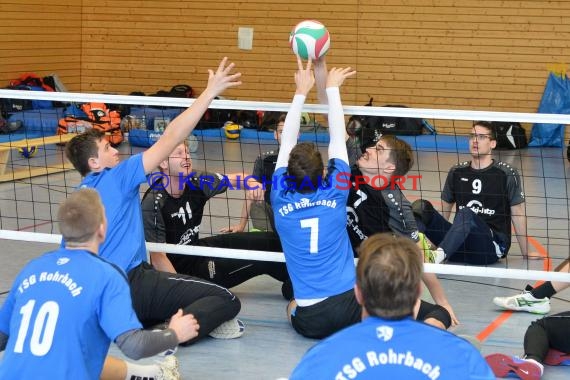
{"points": [[270, 348]]}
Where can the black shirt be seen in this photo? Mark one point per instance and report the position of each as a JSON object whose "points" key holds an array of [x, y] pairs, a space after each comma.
{"points": [[371, 211], [488, 192], [177, 220]]}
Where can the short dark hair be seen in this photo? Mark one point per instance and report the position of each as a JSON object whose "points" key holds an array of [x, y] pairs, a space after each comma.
{"points": [[280, 119], [354, 125], [388, 274], [401, 154], [80, 215], [487, 125], [83, 147], [305, 163]]}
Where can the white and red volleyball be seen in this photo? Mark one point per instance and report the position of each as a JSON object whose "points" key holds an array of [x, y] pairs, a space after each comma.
{"points": [[310, 39]]}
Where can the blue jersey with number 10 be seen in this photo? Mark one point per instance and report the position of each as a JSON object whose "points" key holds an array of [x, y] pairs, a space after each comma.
{"points": [[312, 229], [62, 312]]}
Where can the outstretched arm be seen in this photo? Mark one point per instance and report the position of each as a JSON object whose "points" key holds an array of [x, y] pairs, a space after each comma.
{"points": [[184, 123], [337, 145], [305, 80]]}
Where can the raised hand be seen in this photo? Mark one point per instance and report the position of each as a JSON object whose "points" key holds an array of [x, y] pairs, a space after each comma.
{"points": [[304, 78], [185, 326], [337, 76], [222, 79]]}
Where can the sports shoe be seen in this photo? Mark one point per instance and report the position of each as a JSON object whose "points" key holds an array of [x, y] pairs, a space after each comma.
{"points": [[503, 365], [434, 257], [169, 369], [555, 357], [231, 329], [430, 256], [524, 302]]}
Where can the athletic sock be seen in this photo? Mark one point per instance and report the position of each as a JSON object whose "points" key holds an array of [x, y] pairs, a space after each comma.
{"points": [[543, 291], [142, 371]]}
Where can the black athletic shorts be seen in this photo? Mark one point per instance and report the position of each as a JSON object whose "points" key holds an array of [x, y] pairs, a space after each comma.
{"points": [[328, 316]]}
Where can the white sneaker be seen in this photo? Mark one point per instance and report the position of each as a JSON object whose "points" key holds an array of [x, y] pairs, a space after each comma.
{"points": [[524, 302], [439, 256], [231, 329], [169, 369]]}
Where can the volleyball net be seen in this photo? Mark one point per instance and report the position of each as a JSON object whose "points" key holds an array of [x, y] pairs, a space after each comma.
{"points": [[35, 176]]}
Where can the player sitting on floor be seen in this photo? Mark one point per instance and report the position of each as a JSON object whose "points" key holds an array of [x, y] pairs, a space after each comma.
{"points": [[156, 295], [66, 307], [388, 343], [172, 213], [488, 196], [310, 217]]}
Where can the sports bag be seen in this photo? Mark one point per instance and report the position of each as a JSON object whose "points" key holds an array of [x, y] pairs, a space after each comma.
{"points": [[96, 115], [391, 125], [510, 135]]}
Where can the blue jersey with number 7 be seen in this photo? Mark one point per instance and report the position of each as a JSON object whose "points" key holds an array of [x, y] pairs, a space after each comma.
{"points": [[312, 229]]}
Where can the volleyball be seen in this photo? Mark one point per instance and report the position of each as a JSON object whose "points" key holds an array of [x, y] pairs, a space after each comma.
{"points": [[232, 131], [310, 39], [28, 152]]}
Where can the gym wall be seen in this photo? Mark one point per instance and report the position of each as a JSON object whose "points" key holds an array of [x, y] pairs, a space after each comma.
{"points": [[458, 54]]}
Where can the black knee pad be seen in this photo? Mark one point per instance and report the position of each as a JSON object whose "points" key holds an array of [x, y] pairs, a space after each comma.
{"points": [[441, 314], [423, 210]]}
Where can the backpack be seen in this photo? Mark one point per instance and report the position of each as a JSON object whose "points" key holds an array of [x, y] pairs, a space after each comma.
{"points": [[92, 115], [391, 125], [32, 80], [249, 119], [17, 105], [177, 91], [216, 118], [181, 91], [510, 135], [28, 82]]}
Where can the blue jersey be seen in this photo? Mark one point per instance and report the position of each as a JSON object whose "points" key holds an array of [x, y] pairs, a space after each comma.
{"points": [[393, 349], [119, 190], [63, 310], [312, 229]]}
